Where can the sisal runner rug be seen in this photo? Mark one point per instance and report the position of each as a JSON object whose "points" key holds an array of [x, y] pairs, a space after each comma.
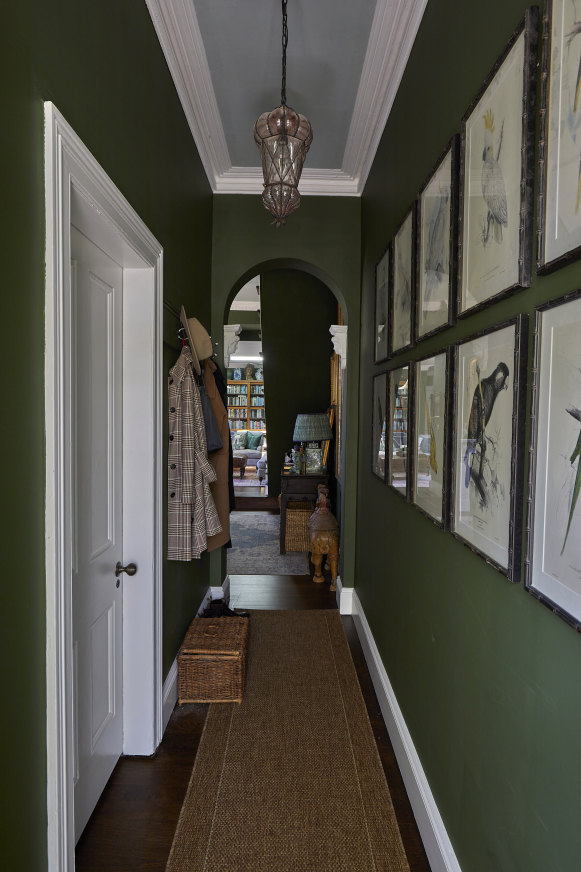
{"points": [[290, 780]]}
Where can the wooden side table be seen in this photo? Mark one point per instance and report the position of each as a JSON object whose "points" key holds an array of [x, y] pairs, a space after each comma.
{"points": [[240, 463], [296, 487]]}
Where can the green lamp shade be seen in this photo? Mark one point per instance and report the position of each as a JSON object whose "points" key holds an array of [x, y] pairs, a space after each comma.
{"points": [[312, 428]]}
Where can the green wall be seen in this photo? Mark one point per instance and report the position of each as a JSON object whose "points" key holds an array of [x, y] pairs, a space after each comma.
{"points": [[296, 365], [489, 681], [88, 58], [322, 238]]}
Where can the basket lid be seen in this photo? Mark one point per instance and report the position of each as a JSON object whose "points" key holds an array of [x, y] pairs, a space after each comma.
{"points": [[216, 635]]}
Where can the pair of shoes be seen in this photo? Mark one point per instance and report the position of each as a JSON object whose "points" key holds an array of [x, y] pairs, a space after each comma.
{"points": [[237, 613], [219, 609]]}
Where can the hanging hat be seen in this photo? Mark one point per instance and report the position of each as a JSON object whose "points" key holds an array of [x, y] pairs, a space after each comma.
{"points": [[199, 339]]}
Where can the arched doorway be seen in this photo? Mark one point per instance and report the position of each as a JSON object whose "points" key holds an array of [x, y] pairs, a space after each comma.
{"points": [[301, 371]]}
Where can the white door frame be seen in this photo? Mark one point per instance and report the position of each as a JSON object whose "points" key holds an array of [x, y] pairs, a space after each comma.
{"points": [[72, 174]]}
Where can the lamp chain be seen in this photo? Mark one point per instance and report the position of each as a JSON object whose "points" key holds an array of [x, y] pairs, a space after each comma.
{"points": [[284, 45]]}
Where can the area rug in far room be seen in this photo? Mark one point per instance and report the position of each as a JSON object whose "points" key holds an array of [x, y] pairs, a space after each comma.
{"points": [[255, 547]]}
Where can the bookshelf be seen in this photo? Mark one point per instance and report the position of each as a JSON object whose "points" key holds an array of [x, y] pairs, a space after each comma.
{"points": [[400, 415], [246, 410]]}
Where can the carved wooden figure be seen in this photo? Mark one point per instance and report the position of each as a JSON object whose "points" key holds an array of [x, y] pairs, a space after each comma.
{"points": [[324, 537]]}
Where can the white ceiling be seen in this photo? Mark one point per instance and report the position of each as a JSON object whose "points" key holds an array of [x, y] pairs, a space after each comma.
{"points": [[345, 60]]}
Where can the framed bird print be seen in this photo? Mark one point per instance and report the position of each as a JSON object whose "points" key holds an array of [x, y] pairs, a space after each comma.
{"points": [[553, 567], [497, 176], [486, 511], [436, 246], [379, 425], [559, 223], [382, 306], [431, 421], [397, 435], [402, 284]]}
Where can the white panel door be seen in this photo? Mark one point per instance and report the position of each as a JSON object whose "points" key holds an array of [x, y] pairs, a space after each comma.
{"points": [[97, 288]]}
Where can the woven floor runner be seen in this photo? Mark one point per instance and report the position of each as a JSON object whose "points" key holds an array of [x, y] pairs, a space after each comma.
{"points": [[290, 780]]}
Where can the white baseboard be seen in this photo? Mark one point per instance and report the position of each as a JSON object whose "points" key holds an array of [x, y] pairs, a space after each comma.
{"points": [[344, 599], [206, 601], [170, 694], [339, 585], [170, 685], [430, 824]]}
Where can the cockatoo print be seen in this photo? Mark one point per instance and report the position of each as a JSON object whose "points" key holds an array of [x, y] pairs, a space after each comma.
{"points": [[493, 187]]}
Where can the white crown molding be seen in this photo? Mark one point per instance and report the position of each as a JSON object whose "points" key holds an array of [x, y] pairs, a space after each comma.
{"points": [[231, 341], [245, 306], [339, 339], [393, 31], [326, 183], [177, 29]]}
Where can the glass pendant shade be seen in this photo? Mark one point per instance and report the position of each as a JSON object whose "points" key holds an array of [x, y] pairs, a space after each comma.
{"points": [[283, 137]]}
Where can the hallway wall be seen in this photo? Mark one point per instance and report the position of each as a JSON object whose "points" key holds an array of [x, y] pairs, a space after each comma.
{"points": [[88, 58], [487, 678]]}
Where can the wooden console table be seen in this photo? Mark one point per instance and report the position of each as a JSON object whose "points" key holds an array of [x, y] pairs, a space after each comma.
{"points": [[296, 487]]}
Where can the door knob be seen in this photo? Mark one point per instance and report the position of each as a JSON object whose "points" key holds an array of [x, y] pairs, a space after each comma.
{"points": [[130, 569]]}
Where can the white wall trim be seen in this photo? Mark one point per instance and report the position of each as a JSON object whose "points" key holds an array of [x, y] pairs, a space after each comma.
{"points": [[345, 598], [431, 826], [170, 693], [178, 31], [314, 182], [170, 685], [393, 31], [69, 167]]}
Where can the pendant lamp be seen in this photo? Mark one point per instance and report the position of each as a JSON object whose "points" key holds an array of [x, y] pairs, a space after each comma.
{"points": [[283, 137]]}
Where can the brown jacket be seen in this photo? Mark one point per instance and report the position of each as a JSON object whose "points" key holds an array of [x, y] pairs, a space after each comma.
{"points": [[219, 459]]}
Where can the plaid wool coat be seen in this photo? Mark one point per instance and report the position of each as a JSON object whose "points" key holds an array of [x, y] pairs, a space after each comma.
{"points": [[191, 514]]}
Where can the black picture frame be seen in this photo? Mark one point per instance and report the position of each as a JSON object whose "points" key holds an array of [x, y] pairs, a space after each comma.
{"points": [[436, 239], [382, 274], [558, 239], [553, 557], [401, 258], [379, 419], [424, 460], [503, 269], [397, 442], [477, 518]]}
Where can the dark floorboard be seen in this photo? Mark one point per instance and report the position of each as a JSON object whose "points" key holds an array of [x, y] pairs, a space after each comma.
{"points": [[132, 828]]}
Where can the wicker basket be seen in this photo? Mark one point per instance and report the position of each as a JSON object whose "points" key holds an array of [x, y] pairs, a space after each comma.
{"points": [[212, 660], [297, 531]]}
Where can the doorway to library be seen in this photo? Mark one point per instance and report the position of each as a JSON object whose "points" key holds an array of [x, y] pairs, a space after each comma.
{"points": [[247, 409]]}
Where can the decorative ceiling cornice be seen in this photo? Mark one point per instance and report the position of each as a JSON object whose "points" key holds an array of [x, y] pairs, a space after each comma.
{"points": [[393, 31]]}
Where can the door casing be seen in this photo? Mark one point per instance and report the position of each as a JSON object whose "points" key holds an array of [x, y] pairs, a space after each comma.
{"points": [[76, 185]]}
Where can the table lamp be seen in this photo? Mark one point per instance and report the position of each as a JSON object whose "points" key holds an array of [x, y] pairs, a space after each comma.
{"points": [[310, 430]]}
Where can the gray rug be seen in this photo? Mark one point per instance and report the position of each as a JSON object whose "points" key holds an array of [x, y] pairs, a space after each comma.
{"points": [[255, 548], [248, 481]]}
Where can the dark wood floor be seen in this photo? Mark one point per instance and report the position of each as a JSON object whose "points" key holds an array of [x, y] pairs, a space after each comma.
{"points": [[133, 825]]}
